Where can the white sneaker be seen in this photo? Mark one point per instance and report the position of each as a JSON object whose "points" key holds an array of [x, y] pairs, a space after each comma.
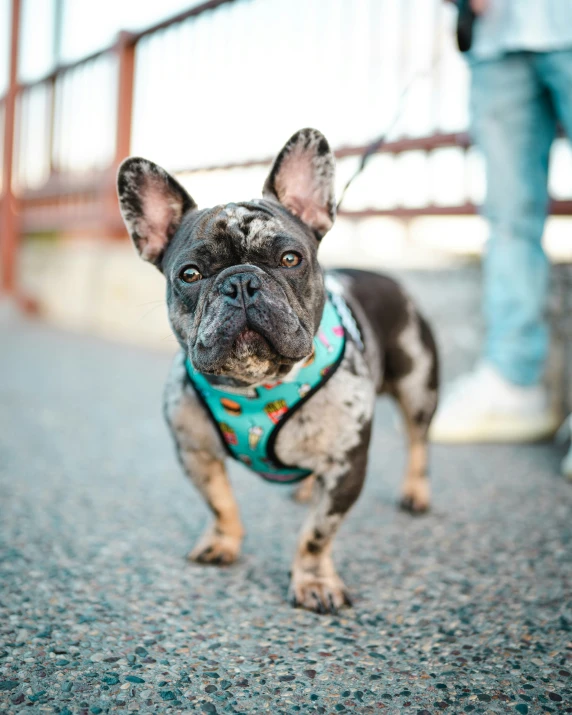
{"points": [[485, 407]]}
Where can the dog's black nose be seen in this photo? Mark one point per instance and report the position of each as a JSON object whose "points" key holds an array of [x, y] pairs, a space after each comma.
{"points": [[251, 285], [230, 287], [241, 286]]}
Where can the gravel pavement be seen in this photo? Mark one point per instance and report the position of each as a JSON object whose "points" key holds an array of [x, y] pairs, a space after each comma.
{"points": [[468, 609]]}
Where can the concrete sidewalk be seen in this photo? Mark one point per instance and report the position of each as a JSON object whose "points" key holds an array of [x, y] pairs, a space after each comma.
{"points": [[466, 610]]}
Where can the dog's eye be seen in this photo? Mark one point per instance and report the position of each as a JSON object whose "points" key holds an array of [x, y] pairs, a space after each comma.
{"points": [[190, 274], [290, 259]]}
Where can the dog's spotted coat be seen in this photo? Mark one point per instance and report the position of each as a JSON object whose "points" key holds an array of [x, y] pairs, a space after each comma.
{"points": [[250, 320]]}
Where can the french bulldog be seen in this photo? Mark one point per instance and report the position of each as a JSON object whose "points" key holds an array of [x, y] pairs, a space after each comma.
{"points": [[245, 297]]}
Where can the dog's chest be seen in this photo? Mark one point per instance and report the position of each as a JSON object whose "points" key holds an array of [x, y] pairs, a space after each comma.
{"points": [[321, 435]]}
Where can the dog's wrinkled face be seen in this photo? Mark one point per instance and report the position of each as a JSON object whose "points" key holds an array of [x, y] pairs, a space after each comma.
{"points": [[254, 309], [245, 292]]}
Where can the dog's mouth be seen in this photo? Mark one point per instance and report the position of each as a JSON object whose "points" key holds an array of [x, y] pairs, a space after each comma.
{"points": [[250, 358], [250, 342], [264, 339], [252, 347]]}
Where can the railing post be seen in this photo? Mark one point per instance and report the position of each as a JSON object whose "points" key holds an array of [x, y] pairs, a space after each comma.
{"points": [[126, 69], [9, 230], [51, 124], [125, 50]]}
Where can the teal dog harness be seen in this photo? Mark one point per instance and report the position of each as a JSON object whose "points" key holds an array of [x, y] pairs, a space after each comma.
{"points": [[249, 422]]}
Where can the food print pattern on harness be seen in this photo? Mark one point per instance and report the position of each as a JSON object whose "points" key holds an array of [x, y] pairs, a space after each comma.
{"points": [[249, 420]]}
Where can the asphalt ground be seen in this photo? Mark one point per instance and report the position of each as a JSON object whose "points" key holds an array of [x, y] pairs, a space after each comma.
{"points": [[467, 609]]}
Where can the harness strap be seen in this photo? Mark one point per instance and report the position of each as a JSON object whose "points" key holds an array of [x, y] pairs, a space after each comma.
{"points": [[249, 421]]}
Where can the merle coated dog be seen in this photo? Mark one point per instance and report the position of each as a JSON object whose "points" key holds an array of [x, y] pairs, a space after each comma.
{"points": [[245, 296]]}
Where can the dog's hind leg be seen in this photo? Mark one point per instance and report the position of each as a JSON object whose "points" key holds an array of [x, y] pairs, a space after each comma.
{"points": [[416, 493], [415, 384]]}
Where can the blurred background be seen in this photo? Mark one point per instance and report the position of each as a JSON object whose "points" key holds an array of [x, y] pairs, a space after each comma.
{"points": [[467, 608], [211, 91]]}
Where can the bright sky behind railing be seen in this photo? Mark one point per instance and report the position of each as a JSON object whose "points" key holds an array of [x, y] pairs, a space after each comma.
{"points": [[233, 84], [88, 26]]}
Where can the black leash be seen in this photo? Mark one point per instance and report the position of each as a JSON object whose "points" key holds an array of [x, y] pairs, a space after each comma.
{"points": [[465, 22], [376, 144], [370, 150]]}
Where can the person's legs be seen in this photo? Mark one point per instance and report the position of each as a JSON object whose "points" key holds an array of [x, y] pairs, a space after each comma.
{"points": [[514, 125], [555, 69]]}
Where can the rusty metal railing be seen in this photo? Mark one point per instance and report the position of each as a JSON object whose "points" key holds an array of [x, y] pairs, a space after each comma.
{"points": [[65, 133]]}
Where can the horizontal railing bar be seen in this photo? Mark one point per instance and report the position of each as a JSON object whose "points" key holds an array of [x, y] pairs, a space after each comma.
{"points": [[66, 185], [181, 17], [42, 218], [63, 184], [70, 220], [92, 184], [132, 38], [398, 146], [557, 208], [62, 69], [411, 212]]}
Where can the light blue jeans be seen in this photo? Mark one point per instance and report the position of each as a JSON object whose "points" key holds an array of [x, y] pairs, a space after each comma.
{"points": [[516, 101]]}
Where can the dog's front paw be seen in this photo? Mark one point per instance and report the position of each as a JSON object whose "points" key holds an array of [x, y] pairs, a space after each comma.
{"points": [[217, 549], [322, 594], [415, 497]]}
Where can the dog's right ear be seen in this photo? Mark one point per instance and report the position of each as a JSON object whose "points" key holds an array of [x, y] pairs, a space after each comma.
{"points": [[152, 204], [302, 180]]}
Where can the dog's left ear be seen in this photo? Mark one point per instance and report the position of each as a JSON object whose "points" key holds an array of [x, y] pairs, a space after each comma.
{"points": [[302, 180]]}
